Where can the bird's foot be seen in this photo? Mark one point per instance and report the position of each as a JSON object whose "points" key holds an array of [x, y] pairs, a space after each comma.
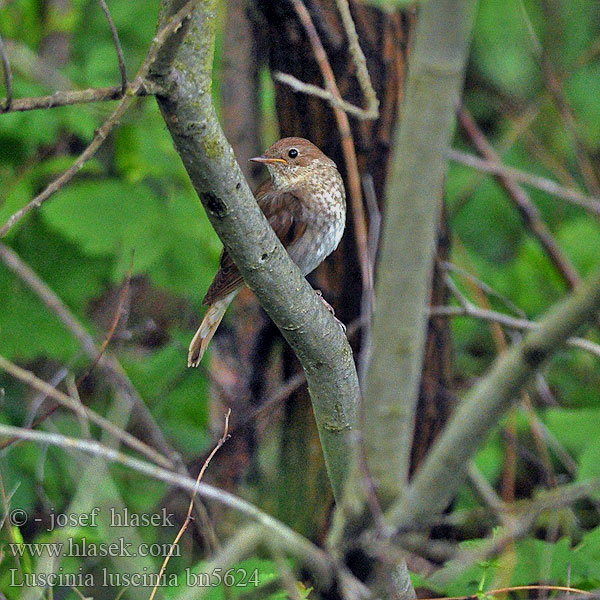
{"points": [[330, 309]]}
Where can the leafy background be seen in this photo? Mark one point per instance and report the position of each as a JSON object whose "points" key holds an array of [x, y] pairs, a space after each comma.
{"points": [[135, 195]]}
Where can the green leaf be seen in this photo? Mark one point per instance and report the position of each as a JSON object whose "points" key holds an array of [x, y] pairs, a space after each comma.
{"points": [[576, 430], [501, 48], [537, 557], [103, 216], [580, 239]]}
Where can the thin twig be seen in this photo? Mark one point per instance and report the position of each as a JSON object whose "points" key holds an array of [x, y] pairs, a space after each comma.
{"points": [[591, 204], [10, 528], [367, 301], [349, 150], [362, 72], [115, 36], [484, 287], [39, 399], [519, 588], [83, 411], [554, 86], [68, 98], [7, 76], [511, 322], [528, 210], [118, 379], [321, 563], [314, 90], [371, 112], [111, 331], [103, 132], [73, 392], [188, 517], [485, 490]]}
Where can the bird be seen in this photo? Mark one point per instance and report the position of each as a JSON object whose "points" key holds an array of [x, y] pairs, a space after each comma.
{"points": [[305, 203]]}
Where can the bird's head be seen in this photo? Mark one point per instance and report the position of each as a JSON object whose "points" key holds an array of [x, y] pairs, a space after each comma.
{"points": [[293, 160]]}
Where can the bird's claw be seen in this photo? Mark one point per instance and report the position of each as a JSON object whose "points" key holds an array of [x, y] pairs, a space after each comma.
{"points": [[330, 309]]}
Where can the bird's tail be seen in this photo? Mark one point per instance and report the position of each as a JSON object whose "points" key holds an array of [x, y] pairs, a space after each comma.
{"points": [[207, 329]]}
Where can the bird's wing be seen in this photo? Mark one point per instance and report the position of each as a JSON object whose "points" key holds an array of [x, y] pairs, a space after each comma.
{"points": [[284, 212]]}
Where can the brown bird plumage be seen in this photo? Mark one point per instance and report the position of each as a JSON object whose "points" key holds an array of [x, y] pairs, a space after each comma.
{"points": [[305, 203]]}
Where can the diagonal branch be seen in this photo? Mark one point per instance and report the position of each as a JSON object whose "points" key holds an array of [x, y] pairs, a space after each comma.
{"points": [[83, 411], [69, 98], [521, 200], [115, 36], [184, 70], [7, 77], [443, 471], [590, 203], [159, 39], [348, 148], [117, 377], [325, 567]]}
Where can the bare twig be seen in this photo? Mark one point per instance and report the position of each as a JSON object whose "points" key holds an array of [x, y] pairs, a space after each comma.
{"points": [[518, 527], [36, 403], [118, 378], [528, 210], [40, 398], [591, 204], [520, 588], [83, 411], [483, 314], [322, 564], [367, 300], [188, 516], [362, 72], [69, 98], [9, 529], [358, 211], [555, 88], [7, 76], [314, 90], [103, 132], [371, 112], [115, 36], [484, 287], [485, 490], [113, 327]]}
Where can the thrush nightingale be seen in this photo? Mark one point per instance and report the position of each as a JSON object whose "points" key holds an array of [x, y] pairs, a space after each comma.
{"points": [[304, 202]]}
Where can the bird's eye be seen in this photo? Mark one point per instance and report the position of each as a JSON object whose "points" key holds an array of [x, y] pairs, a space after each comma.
{"points": [[293, 153]]}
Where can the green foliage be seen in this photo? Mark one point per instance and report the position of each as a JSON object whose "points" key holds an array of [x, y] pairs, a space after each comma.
{"points": [[254, 576], [135, 196]]}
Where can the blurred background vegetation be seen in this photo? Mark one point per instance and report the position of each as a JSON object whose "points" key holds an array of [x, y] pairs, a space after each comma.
{"points": [[533, 86]]}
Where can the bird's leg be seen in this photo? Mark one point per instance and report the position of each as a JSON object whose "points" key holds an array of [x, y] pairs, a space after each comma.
{"points": [[330, 309]]}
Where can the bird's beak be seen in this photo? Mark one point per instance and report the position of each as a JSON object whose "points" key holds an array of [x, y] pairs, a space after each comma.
{"points": [[268, 161]]}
